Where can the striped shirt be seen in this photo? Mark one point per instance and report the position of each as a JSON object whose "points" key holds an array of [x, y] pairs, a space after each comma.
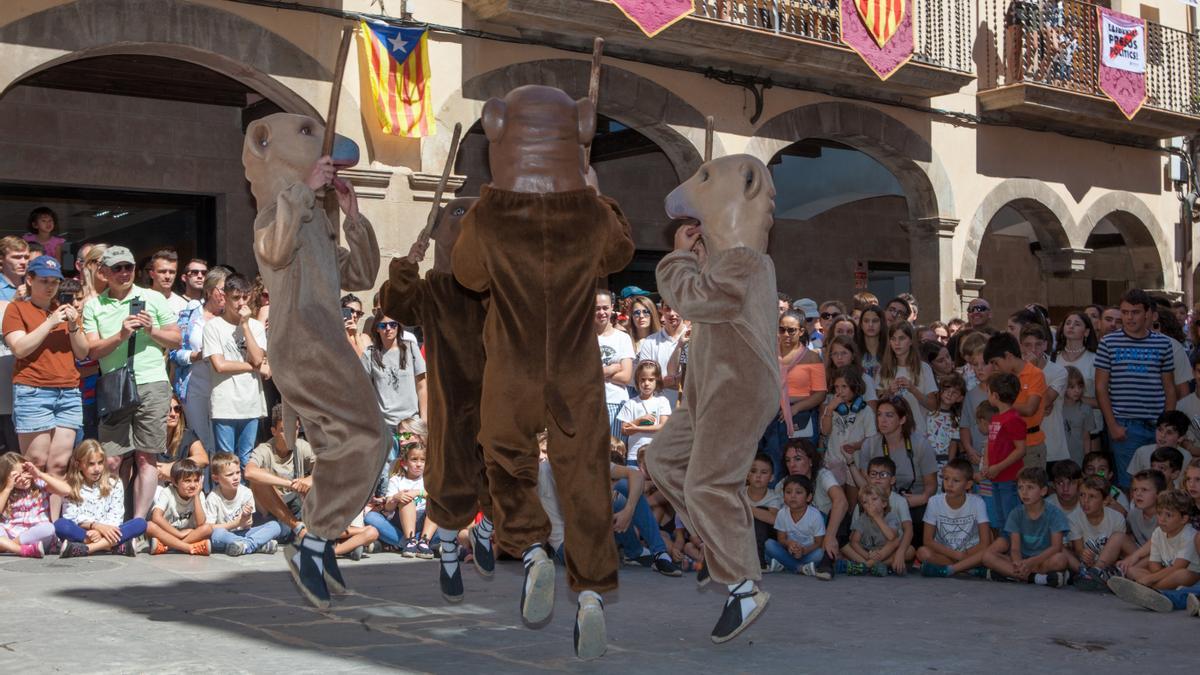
{"points": [[1135, 367]]}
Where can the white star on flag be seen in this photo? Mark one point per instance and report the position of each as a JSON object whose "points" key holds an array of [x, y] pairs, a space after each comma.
{"points": [[399, 46]]}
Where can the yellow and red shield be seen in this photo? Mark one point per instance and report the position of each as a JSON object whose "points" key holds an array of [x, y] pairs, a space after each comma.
{"points": [[881, 17]]}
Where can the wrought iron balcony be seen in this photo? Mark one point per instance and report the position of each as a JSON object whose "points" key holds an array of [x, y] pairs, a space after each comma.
{"points": [[1040, 61]]}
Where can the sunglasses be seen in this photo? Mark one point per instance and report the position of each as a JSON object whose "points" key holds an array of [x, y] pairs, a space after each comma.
{"points": [[192, 273], [356, 314], [978, 309], [640, 312], [176, 408], [788, 331], [825, 316], [388, 325], [122, 267]]}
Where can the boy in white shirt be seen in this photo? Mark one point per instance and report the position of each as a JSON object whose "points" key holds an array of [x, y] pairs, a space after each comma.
{"points": [[1097, 534], [235, 348], [1173, 560], [800, 532], [177, 520], [230, 509], [1169, 462], [1170, 430], [957, 531]]}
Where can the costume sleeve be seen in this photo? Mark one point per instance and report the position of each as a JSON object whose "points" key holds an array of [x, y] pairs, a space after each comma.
{"points": [[712, 295], [358, 264], [277, 226], [404, 295], [618, 249], [467, 258]]}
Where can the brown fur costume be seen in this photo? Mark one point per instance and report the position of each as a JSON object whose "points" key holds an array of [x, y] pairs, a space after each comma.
{"points": [[314, 367]]}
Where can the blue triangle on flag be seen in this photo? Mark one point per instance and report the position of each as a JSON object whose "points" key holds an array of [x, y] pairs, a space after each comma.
{"points": [[400, 42]]}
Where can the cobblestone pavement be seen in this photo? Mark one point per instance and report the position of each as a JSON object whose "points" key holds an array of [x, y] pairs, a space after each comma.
{"points": [[173, 613]]}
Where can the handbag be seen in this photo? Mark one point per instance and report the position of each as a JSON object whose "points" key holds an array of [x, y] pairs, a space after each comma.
{"points": [[116, 390]]}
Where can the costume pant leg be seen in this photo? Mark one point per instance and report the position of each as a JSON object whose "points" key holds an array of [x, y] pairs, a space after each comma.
{"points": [[512, 415], [348, 465], [580, 465], [455, 475], [668, 456]]}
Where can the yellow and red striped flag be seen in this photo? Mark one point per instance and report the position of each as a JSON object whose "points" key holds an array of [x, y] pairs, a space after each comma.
{"points": [[882, 17], [398, 64]]}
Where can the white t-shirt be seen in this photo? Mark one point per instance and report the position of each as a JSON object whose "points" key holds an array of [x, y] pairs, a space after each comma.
{"points": [[804, 532], [1052, 422], [1190, 405], [234, 396], [179, 513], [1141, 462], [614, 348], [958, 528], [658, 348], [927, 386], [1183, 366], [821, 499], [1095, 536], [400, 483], [1165, 550], [771, 500], [177, 303], [658, 406], [219, 510]]}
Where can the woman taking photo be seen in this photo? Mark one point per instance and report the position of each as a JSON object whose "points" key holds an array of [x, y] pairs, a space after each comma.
{"points": [[352, 313], [916, 466], [46, 337], [802, 392], [904, 374]]}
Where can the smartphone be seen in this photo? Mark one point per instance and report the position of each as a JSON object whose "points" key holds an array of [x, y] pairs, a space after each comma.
{"points": [[347, 313], [136, 306], [66, 298]]}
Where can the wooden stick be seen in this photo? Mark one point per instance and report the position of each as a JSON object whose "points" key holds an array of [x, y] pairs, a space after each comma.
{"points": [[441, 186], [335, 93], [594, 88], [709, 123]]}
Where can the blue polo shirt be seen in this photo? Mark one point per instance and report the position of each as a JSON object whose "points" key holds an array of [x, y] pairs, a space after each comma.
{"points": [[7, 290]]}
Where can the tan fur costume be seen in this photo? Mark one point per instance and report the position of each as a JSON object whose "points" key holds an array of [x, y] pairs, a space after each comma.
{"points": [[702, 456], [314, 367]]}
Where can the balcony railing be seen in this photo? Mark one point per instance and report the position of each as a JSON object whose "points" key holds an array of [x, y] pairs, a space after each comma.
{"points": [[944, 30], [1056, 43]]}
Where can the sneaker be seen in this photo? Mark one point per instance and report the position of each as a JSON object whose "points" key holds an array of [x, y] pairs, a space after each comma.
{"points": [[34, 550], [1089, 579], [591, 635], [644, 560], [157, 547], [732, 620], [269, 548], [410, 548], [307, 576], [126, 549], [1193, 604], [702, 576], [774, 566], [483, 556], [72, 549], [1057, 579], [355, 553], [235, 549], [375, 547], [824, 571], [200, 548], [929, 569], [537, 593], [880, 570], [980, 573], [664, 566], [55, 547], [808, 569], [1132, 592], [424, 552]]}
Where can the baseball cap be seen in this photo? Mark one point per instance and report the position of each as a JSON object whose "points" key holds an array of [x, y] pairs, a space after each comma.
{"points": [[808, 307], [630, 291], [115, 255], [45, 266]]}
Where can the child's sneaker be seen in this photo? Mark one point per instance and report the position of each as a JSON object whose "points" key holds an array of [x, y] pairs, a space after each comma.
{"points": [[34, 550], [157, 547], [235, 549], [410, 548], [1193, 604], [200, 548], [880, 570], [702, 575], [980, 573], [424, 552], [1089, 579], [825, 570], [808, 569], [125, 548], [929, 569], [644, 560], [73, 549], [1142, 596], [269, 548], [355, 553], [1057, 579], [665, 566], [591, 635]]}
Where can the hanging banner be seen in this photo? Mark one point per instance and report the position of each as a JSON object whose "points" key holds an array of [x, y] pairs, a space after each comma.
{"points": [[654, 16], [1122, 73], [880, 31]]}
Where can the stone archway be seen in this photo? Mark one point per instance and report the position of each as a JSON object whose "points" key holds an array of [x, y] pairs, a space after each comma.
{"points": [[1144, 237], [1033, 199], [638, 103]]}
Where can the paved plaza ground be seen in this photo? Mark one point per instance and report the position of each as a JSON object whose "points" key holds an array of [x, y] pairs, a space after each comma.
{"points": [[172, 613]]}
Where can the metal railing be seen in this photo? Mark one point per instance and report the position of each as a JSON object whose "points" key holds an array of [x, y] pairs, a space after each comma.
{"points": [[1056, 43], [944, 30]]}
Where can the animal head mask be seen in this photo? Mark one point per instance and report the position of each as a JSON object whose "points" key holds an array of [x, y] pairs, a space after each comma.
{"points": [[536, 137]]}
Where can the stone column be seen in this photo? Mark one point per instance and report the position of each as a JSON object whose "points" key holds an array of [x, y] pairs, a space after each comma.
{"points": [[931, 262]]}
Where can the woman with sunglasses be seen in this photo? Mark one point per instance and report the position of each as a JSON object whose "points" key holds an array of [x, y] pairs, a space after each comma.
{"points": [[193, 374], [352, 313], [46, 337], [643, 317], [182, 443], [916, 465], [397, 370], [802, 392]]}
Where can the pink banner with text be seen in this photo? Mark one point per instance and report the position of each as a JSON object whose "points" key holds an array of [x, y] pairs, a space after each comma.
{"points": [[1122, 73]]}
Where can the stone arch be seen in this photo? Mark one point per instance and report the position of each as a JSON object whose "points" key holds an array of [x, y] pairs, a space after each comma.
{"points": [[887, 140], [1041, 206], [638, 103], [1148, 245], [218, 40]]}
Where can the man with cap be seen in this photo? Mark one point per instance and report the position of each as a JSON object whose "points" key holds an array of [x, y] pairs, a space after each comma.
{"points": [[123, 324], [808, 308]]}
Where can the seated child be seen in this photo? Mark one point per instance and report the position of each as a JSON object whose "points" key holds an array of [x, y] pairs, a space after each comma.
{"points": [[1066, 476], [1172, 427], [875, 534], [1099, 464], [1169, 461], [548, 496], [405, 505], [1032, 551], [177, 518], [25, 527], [633, 521], [800, 532], [1173, 561], [687, 549], [881, 472], [94, 508], [957, 531], [230, 510], [1097, 534], [1142, 518], [280, 476], [356, 538], [764, 502]]}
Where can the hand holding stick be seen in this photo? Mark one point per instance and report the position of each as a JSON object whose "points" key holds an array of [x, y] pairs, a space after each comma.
{"points": [[435, 211]]}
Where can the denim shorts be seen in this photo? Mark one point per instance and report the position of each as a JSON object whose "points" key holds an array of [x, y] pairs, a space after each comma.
{"points": [[37, 409]]}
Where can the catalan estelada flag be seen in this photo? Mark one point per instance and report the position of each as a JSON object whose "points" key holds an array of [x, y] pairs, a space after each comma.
{"points": [[398, 64]]}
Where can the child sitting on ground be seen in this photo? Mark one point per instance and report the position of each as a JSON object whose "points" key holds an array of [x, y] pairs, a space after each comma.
{"points": [[1067, 477], [230, 509], [1032, 551], [800, 532], [177, 518], [405, 503], [1099, 464], [881, 472], [1169, 462], [875, 535], [1079, 419], [957, 531], [764, 502], [1097, 534], [94, 508], [1173, 559], [1142, 519], [1171, 428], [636, 530], [25, 527]]}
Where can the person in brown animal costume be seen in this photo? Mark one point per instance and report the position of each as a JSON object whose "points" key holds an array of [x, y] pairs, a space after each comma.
{"points": [[537, 240], [315, 369], [701, 457], [452, 318]]}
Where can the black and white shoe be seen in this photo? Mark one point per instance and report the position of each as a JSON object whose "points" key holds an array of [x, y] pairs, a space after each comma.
{"points": [[665, 566], [333, 576], [307, 575], [703, 577], [741, 609], [482, 555], [591, 635], [537, 593], [451, 583]]}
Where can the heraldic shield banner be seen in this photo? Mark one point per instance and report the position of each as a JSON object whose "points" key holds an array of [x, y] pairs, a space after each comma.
{"points": [[880, 31], [1122, 73], [654, 16]]}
